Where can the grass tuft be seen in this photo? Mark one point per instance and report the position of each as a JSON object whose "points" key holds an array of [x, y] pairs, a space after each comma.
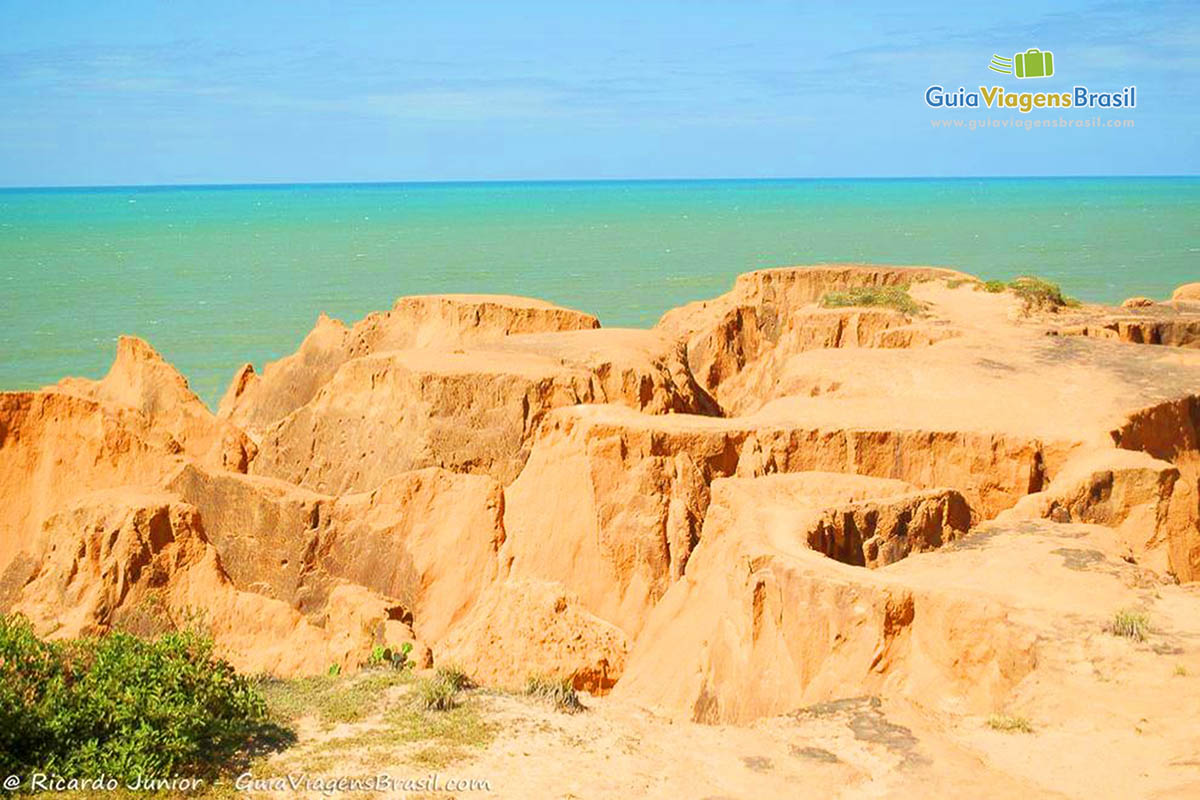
{"points": [[1008, 723], [1131, 624], [893, 297], [454, 676], [435, 694], [560, 693]]}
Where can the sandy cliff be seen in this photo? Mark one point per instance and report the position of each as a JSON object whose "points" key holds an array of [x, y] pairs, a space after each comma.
{"points": [[760, 505]]}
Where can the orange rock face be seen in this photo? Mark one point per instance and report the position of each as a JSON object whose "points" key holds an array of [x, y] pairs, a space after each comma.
{"points": [[523, 629], [760, 504], [141, 382], [140, 561]]}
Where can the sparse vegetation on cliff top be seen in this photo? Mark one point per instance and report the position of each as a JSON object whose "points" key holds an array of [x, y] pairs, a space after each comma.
{"points": [[1036, 294], [893, 297]]}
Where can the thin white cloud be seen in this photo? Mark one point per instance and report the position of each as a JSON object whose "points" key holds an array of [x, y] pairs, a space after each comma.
{"points": [[461, 105]]}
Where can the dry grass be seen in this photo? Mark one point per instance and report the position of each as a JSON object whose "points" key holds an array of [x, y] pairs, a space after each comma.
{"points": [[455, 676], [560, 693], [1008, 723], [330, 698], [445, 737], [435, 694], [431, 723]]}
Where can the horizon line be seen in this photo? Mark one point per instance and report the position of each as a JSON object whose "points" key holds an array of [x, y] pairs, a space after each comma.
{"points": [[510, 181]]}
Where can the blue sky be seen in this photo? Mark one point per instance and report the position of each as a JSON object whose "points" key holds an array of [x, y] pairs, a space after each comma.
{"points": [[215, 92]]}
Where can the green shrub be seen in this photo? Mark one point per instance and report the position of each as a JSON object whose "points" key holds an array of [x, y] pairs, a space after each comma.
{"points": [[120, 705], [1036, 294], [560, 693], [1131, 624], [894, 297]]}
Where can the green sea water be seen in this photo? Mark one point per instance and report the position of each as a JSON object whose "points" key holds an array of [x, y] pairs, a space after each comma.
{"points": [[216, 276]]}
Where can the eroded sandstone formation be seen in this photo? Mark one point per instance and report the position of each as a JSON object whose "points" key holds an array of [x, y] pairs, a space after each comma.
{"points": [[1189, 291], [441, 321], [762, 624], [469, 411], [761, 503]]}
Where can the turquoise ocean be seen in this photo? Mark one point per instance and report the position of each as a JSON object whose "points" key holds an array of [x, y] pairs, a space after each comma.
{"points": [[217, 276]]}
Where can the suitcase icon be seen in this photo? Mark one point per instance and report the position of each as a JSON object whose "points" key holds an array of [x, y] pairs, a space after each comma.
{"points": [[1034, 63]]}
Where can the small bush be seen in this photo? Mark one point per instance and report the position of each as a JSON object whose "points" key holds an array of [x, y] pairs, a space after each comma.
{"points": [[1131, 624], [1008, 723], [995, 287], [1181, 670], [893, 297], [120, 705], [435, 694], [1037, 293], [560, 693]]}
